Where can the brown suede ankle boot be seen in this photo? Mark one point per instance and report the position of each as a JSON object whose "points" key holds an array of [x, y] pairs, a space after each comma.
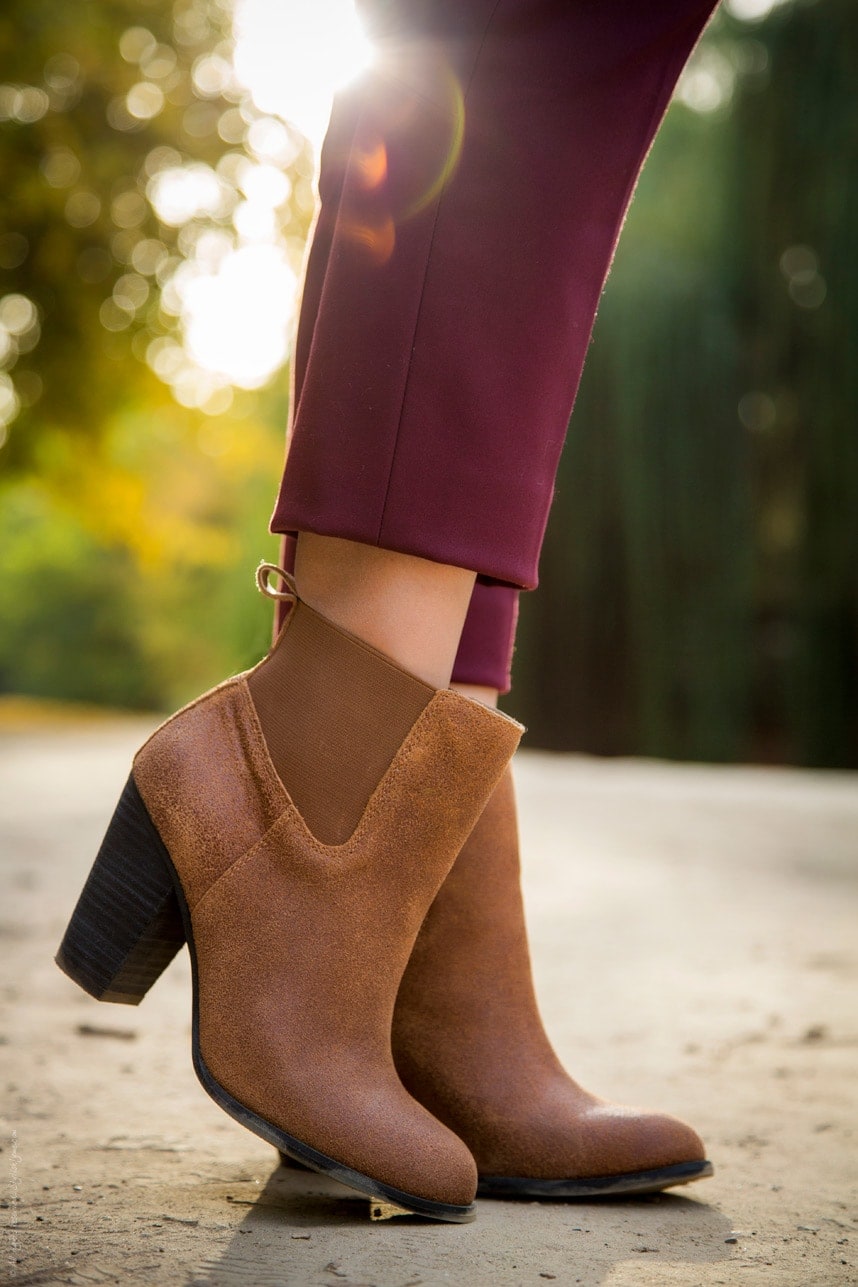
{"points": [[469, 1044], [294, 825]]}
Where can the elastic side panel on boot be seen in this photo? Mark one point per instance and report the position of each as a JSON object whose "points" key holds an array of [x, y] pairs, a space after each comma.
{"points": [[333, 712]]}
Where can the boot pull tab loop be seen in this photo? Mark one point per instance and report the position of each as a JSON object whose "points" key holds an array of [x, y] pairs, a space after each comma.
{"points": [[263, 574]]}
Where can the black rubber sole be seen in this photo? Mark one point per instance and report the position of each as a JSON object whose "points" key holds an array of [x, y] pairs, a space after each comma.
{"points": [[130, 921], [633, 1184]]}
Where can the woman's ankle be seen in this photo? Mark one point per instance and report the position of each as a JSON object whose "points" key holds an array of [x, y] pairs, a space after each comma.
{"points": [[409, 608], [478, 693]]}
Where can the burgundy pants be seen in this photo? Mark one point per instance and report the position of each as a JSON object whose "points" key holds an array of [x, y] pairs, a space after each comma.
{"points": [[473, 187]]}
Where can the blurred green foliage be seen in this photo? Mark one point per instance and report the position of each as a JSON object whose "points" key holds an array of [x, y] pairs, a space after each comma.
{"points": [[71, 205], [129, 524], [129, 581]]}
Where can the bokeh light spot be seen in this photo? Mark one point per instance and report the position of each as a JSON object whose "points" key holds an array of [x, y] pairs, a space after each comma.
{"points": [[9, 403], [707, 83], [806, 286], [144, 100], [62, 72], [82, 209], [212, 75], [237, 320], [752, 10], [135, 43], [131, 292], [181, 193], [757, 411], [114, 318], [17, 314], [128, 210], [158, 62], [270, 140], [60, 167], [148, 255]]}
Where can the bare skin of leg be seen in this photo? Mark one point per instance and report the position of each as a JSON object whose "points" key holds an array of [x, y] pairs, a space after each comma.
{"points": [[477, 693], [411, 609]]}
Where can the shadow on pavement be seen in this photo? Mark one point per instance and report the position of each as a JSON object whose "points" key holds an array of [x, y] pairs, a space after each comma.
{"points": [[304, 1229]]}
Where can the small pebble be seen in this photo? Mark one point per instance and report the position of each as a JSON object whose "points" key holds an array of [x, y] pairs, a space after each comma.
{"points": [[98, 1030]]}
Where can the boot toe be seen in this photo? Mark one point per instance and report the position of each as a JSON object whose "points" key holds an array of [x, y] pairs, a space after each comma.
{"points": [[416, 1154], [569, 1134], [624, 1140]]}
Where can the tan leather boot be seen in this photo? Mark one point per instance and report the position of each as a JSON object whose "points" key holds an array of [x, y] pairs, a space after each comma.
{"points": [[300, 894], [469, 1044]]}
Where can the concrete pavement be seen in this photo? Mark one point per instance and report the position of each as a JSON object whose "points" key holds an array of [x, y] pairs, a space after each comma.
{"points": [[695, 939]]}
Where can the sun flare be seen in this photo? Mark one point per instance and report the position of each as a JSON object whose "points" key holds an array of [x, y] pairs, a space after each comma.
{"points": [[293, 57]]}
